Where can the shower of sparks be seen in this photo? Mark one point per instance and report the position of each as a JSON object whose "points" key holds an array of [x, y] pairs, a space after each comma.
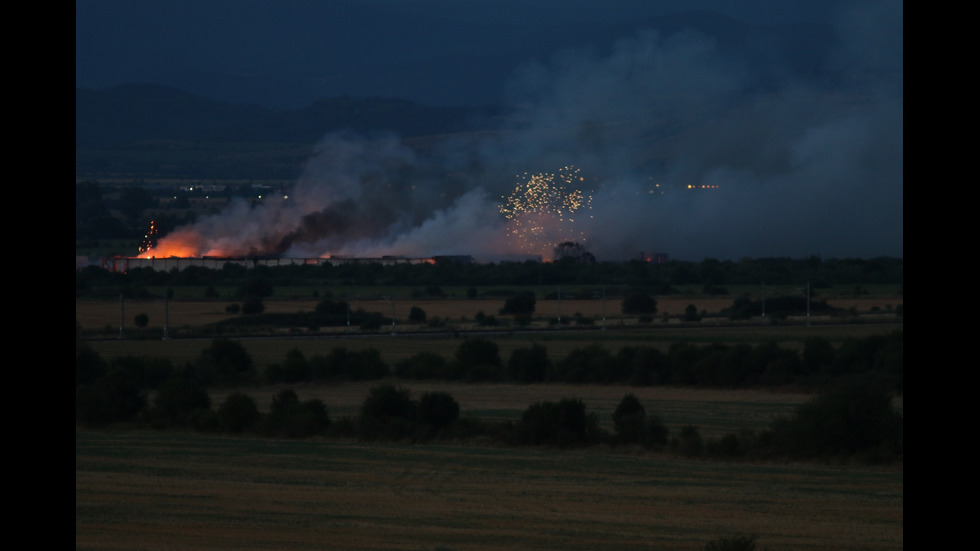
{"points": [[149, 239], [545, 209]]}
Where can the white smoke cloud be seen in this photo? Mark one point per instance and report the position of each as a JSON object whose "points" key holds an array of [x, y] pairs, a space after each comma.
{"points": [[794, 166]]}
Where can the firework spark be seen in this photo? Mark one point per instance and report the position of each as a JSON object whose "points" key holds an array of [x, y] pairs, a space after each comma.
{"points": [[545, 209]]}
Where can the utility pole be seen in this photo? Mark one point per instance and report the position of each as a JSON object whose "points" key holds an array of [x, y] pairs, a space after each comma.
{"points": [[603, 308], [559, 307], [763, 299], [807, 303], [391, 301], [166, 315], [122, 316]]}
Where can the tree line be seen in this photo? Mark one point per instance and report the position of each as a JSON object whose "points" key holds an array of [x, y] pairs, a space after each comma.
{"points": [[857, 380], [709, 276]]}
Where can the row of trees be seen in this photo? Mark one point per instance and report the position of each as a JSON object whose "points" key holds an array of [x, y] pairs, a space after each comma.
{"points": [[226, 363], [855, 421], [709, 275], [715, 365]]}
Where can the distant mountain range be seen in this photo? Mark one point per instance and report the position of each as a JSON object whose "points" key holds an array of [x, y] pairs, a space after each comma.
{"points": [[152, 131]]}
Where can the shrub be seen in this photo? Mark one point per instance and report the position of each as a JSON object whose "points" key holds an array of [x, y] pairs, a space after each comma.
{"points": [[290, 418], [521, 303], [437, 411], [238, 413], [629, 419], [655, 432], [256, 285], [225, 362], [423, 365], [388, 413], [115, 397], [141, 320], [478, 359], [689, 442], [738, 542], [344, 364], [562, 424], [529, 365], [691, 313], [416, 315], [854, 420], [180, 401], [294, 369], [591, 364], [639, 302], [252, 306]]}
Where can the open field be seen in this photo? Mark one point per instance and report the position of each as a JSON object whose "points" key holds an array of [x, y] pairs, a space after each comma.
{"points": [[93, 315], [156, 490], [161, 491]]}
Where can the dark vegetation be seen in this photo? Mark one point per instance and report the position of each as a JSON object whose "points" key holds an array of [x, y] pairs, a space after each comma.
{"points": [[849, 419], [633, 283]]}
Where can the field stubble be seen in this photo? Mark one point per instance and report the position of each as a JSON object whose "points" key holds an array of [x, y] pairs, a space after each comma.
{"points": [[158, 490]]}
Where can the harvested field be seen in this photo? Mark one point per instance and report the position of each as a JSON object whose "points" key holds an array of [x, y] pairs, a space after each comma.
{"points": [[162, 491], [94, 315]]}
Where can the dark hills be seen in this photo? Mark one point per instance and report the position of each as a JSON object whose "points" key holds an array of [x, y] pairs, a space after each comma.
{"points": [[152, 131]]}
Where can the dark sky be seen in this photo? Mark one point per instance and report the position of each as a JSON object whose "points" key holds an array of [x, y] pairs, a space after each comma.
{"points": [[791, 113], [288, 53]]}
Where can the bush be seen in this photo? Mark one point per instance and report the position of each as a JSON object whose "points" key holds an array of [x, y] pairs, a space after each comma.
{"points": [[738, 542], [478, 359], [529, 365], [388, 413], [521, 303], [437, 411], [424, 365], [689, 442], [141, 320], [639, 302], [629, 419], [253, 306], [180, 401], [416, 315], [691, 313], [562, 424], [225, 362], [855, 420], [238, 413], [115, 397], [257, 286], [290, 418], [294, 369]]}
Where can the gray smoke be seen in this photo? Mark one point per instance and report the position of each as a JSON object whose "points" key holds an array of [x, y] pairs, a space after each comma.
{"points": [[687, 148]]}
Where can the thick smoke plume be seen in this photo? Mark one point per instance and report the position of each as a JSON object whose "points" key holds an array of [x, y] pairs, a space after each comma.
{"points": [[689, 149]]}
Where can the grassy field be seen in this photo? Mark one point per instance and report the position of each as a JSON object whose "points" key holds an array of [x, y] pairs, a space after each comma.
{"points": [[164, 491]]}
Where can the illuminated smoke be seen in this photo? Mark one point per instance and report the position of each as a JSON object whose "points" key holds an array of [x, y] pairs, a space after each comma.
{"points": [[358, 196], [744, 164]]}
